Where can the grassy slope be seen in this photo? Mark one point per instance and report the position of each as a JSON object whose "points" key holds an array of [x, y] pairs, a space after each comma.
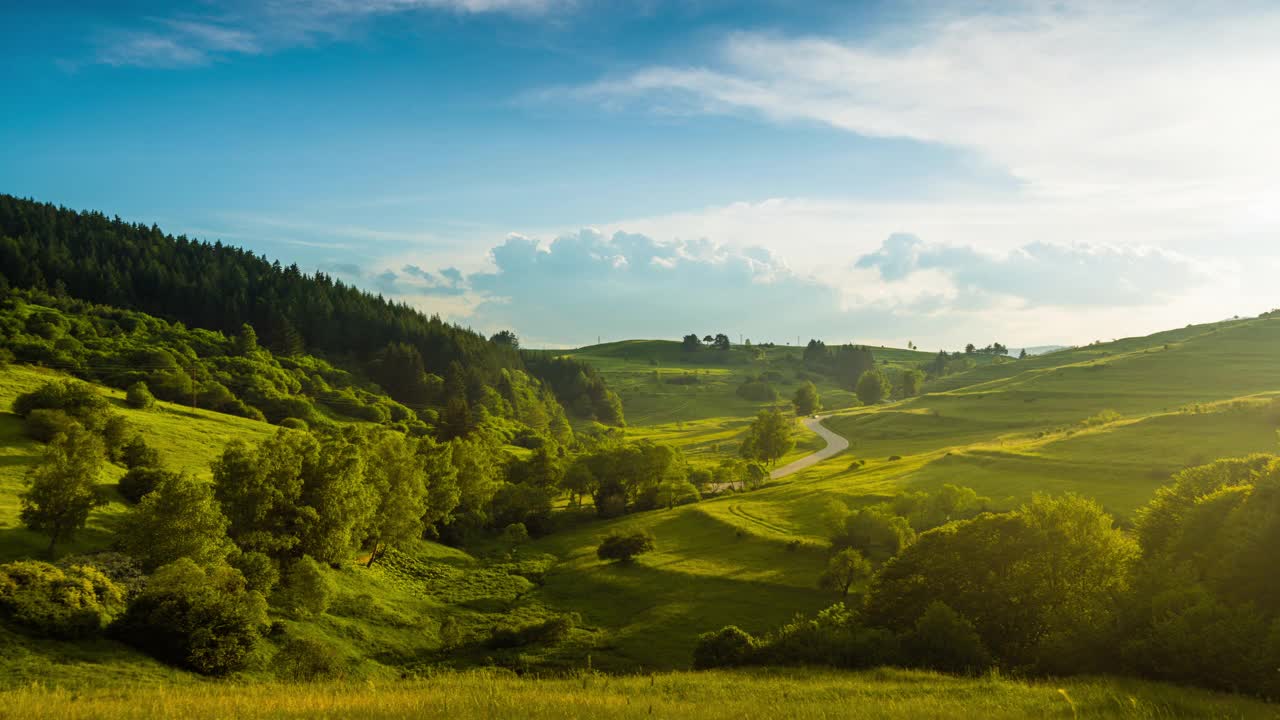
{"points": [[752, 559], [741, 695], [187, 440], [1007, 429]]}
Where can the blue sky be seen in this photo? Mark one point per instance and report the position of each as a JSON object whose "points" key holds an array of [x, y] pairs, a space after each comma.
{"points": [[1030, 173]]}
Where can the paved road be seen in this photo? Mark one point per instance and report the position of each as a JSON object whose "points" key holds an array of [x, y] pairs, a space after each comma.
{"points": [[835, 444]]}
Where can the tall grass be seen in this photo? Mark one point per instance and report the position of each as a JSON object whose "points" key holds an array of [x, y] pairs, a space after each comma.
{"points": [[705, 696]]}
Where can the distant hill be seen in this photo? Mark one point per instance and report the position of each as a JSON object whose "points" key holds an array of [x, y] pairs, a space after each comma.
{"points": [[1037, 349]]}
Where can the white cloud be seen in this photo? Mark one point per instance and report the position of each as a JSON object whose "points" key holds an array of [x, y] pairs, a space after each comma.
{"points": [[228, 28], [1139, 134], [1079, 103]]}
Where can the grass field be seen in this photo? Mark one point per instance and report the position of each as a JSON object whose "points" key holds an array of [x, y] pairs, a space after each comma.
{"points": [[742, 695], [751, 559]]}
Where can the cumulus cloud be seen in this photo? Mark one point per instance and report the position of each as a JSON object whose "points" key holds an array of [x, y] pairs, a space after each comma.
{"points": [[448, 281], [587, 283], [1042, 273]]}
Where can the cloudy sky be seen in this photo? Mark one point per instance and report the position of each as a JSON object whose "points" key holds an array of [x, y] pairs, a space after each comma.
{"points": [[1030, 173]]}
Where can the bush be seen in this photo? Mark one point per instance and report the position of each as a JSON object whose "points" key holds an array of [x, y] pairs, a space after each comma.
{"points": [[547, 632], [73, 397], [727, 647], [44, 425], [623, 548], [261, 573], [307, 590], [68, 604], [205, 620], [305, 660], [294, 423], [945, 640], [139, 397], [114, 431], [121, 569], [757, 390], [139, 481], [137, 453], [1102, 418]]}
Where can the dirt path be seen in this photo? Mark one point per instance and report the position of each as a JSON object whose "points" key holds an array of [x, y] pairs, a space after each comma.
{"points": [[835, 445]]}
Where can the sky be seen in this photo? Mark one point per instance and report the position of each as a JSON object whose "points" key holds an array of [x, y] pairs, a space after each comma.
{"points": [[1032, 173]]}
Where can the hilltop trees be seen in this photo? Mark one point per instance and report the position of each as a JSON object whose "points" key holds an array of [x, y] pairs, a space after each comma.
{"points": [[61, 490], [846, 364], [806, 399], [505, 338], [691, 343], [872, 387], [768, 438]]}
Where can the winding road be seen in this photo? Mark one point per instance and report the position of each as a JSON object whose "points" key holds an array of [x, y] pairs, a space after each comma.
{"points": [[835, 445]]}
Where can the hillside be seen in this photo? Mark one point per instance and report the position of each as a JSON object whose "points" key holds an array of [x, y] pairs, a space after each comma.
{"points": [[1007, 429]]}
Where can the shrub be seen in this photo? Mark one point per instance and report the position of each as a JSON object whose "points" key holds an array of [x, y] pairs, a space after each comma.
{"points": [[205, 620], [623, 548], [139, 397], [757, 390], [261, 573], [306, 660], [515, 534], [138, 482], [74, 397], [43, 425], [307, 590], [137, 453], [121, 569], [66, 604], [547, 632], [294, 423], [727, 647], [945, 640], [1102, 418], [114, 431]]}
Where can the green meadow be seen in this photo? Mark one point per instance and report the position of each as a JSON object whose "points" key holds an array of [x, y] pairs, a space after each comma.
{"points": [[1110, 421]]}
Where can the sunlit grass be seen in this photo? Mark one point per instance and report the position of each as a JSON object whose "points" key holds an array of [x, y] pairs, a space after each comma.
{"points": [[744, 695]]}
